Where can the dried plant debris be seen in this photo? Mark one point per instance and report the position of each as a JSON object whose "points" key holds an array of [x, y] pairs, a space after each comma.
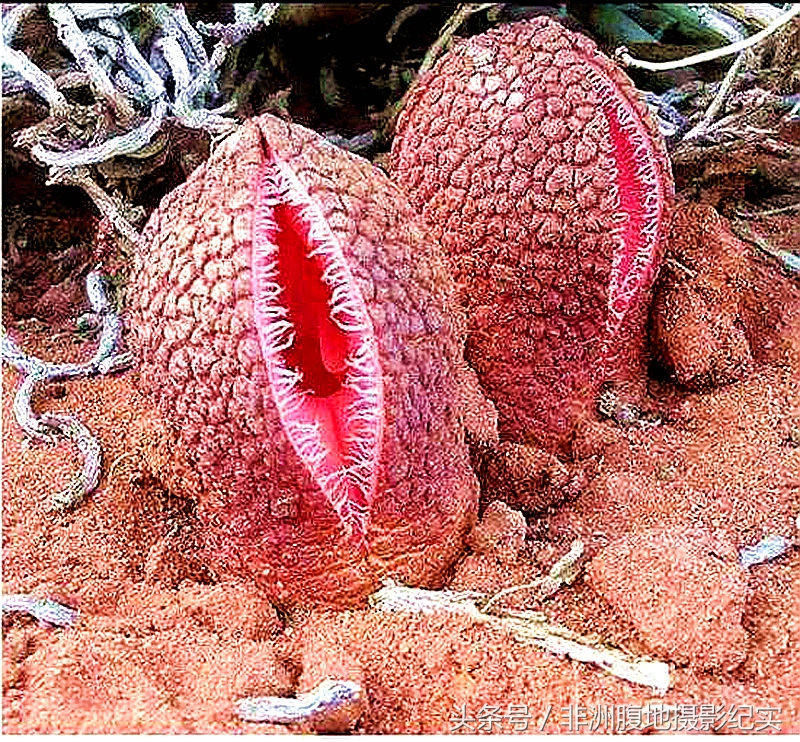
{"points": [[789, 261], [141, 64], [530, 626], [46, 426]]}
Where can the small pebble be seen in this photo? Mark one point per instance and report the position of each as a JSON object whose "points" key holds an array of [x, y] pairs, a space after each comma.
{"points": [[41, 609], [770, 547], [333, 706]]}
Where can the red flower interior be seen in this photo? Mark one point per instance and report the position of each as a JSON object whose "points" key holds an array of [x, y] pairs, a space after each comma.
{"points": [[319, 345]]}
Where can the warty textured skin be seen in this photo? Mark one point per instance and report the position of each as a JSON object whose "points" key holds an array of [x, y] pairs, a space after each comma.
{"points": [[192, 321], [509, 149]]}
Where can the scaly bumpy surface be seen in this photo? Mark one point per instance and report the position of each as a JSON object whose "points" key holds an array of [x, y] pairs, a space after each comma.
{"points": [[534, 161], [296, 328]]}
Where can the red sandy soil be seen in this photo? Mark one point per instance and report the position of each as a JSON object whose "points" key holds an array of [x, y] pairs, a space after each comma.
{"points": [[163, 645]]}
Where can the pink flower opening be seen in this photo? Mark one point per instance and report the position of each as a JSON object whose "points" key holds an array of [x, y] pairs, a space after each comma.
{"points": [[641, 200], [319, 345]]}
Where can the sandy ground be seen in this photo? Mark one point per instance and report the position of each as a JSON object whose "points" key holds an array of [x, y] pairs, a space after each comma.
{"points": [[162, 645]]}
